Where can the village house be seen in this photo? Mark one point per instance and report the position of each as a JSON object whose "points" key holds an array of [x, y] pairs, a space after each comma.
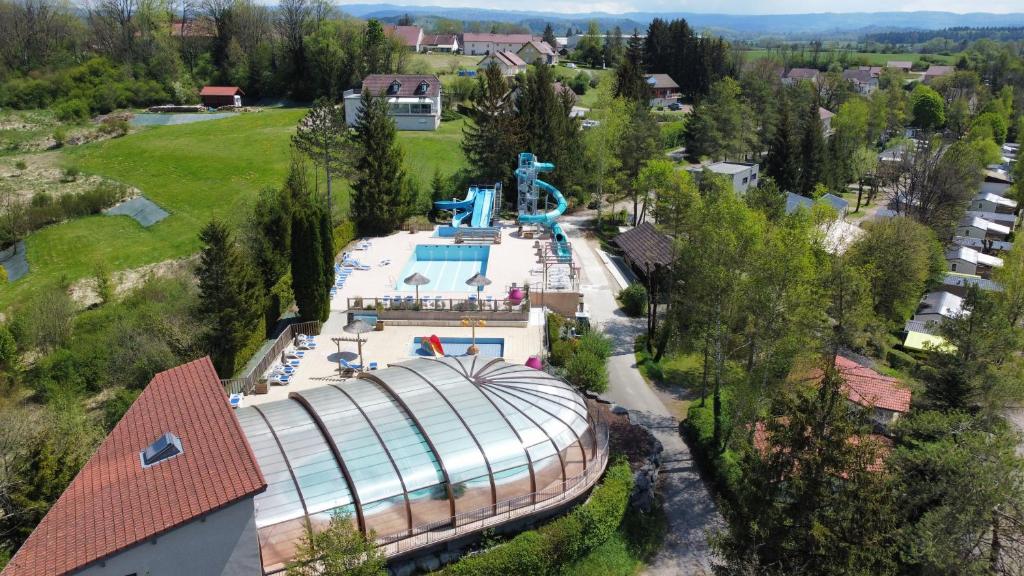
{"points": [[970, 261], [414, 100], [801, 74], [981, 229], [664, 90], [441, 43], [742, 174], [862, 80], [479, 44], [903, 66], [936, 71], [538, 51], [989, 202], [509, 62], [411, 36]]}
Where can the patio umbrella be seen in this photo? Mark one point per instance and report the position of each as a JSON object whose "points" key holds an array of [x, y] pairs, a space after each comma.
{"points": [[417, 280], [478, 280], [358, 327]]}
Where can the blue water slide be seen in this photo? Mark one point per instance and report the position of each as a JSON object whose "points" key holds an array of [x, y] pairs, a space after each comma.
{"points": [[482, 208], [461, 209], [548, 219]]}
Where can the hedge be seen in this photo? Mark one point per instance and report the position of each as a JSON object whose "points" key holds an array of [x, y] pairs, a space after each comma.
{"points": [[699, 429], [549, 548], [634, 300]]}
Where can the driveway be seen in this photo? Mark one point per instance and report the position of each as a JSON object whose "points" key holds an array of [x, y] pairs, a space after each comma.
{"points": [[688, 505]]}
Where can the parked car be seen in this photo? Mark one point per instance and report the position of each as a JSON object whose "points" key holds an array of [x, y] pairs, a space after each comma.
{"points": [[675, 106], [590, 123], [570, 65]]}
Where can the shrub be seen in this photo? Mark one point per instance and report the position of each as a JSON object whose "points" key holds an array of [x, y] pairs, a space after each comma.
{"points": [[587, 371], [8, 346], [555, 324], [60, 136], [900, 360], [116, 405], [634, 300], [596, 343], [72, 110], [547, 550], [114, 128], [70, 174], [343, 234], [21, 165], [561, 352]]}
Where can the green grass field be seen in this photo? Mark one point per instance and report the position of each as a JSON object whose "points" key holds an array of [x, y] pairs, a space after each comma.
{"points": [[444, 63], [196, 172], [872, 58]]}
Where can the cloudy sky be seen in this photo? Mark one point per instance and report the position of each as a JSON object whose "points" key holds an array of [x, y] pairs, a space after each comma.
{"points": [[730, 7]]}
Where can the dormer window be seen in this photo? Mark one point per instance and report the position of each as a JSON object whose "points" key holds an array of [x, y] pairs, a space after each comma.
{"points": [[394, 87], [422, 88]]}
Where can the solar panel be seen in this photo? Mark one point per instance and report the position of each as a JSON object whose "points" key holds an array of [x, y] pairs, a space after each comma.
{"points": [[166, 446]]}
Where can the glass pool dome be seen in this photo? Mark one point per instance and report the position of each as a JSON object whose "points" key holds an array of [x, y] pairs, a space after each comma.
{"points": [[420, 447]]}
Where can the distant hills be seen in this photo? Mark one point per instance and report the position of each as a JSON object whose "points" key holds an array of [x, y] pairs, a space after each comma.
{"points": [[734, 25]]}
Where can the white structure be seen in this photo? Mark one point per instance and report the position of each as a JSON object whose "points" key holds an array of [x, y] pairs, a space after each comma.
{"points": [[982, 229], [862, 80], [989, 202], [415, 100], [742, 174], [801, 74], [479, 44], [970, 261], [1002, 218], [441, 43], [538, 50], [410, 36], [937, 307]]}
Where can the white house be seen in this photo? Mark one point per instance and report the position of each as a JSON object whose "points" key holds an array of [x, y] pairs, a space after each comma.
{"points": [[509, 62], [415, 100], [982, 229], [742, 174], [970, 261], [411, 36], [441, 43], [538, 50], [937, 307], [989, 202], [862, 80], [796, 75], [478, 44]]}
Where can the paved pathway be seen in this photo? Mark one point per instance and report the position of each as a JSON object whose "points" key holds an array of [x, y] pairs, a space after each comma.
{"points": [[689, 507]]}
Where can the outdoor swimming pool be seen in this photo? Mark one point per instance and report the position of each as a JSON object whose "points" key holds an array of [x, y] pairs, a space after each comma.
{"points": [[146, 119], [447, 266], [457, 346]]}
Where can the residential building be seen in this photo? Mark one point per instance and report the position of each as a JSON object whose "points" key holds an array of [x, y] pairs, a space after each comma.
{"points": [[217, 96], [795, 201], [415, 100], [509, 62], [990, 202], [970, 261], [826, 120], [185, 507], [664, 90], [936, 71], [1008, 219], [862, 80], [411, 36], [981, 229], [903, 66], [479, 44], [801, 74], [936, 307], [958, 283], [742, 174], [838, 204], [885, 396], [995, 187], [441, 43], [538, 51]]}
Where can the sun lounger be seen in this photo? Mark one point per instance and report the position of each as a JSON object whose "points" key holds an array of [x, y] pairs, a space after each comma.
{"points": [[350, 366], [293, 354]]}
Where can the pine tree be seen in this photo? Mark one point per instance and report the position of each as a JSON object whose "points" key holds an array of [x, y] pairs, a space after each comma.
{"points": [[812, 151], [614, 48], [379, 203], [323, 136], [549, 36], [230, 296], [783, 160], [629, 76], [311, 292], [492, 136]]}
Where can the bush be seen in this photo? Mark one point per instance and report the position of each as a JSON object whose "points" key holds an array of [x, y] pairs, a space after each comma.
{"points": [[21, 165], [70, 174], [900, 360], [116, 405], [73, 110], [587, 371], [555, 324], [561, 352], [343, 234], [546, 550], [596, 343], [634, 300], [114, 128], [699, 429]]}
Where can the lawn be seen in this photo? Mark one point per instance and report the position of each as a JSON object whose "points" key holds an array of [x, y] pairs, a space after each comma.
{"points": [[196, 172], [441, 63], [677, 376], [628, 550]]}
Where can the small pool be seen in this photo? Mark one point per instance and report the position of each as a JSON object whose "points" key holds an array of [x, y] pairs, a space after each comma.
{"points": [[447, 266], [457, 346], [171, 118]]}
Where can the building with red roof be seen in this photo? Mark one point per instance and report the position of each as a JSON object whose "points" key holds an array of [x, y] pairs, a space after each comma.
{"points": [[414, 100], [411, 36], [885, 396], [170, 491], [217, 96]]}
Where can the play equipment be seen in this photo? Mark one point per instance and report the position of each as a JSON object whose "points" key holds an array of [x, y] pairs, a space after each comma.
{"points": [[476, 210], [529, 195], [432, 344]]}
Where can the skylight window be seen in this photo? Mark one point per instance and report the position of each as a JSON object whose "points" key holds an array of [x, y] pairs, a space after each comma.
{"points": [[165, 447], [394, 87]]}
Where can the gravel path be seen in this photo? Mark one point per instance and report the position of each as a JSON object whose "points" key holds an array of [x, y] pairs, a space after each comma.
{"points": [[689, 508]]}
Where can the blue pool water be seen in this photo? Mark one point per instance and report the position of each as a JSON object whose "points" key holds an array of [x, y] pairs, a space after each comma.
{"points": [[458, 346], [174, 119], [447, 266]]}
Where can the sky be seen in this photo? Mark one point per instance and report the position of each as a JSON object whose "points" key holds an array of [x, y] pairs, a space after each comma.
{"points": [[746, 7]]}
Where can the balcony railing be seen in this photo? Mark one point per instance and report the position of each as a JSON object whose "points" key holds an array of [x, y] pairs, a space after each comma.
{"points": [[247, 384], [441, 308]]}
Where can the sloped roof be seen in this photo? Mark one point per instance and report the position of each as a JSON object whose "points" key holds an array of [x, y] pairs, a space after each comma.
{"points": [[795, 201], [646, 244], [899, 64], [540, 46], [803, 74], [973, 256], [115, 503], [868, 388], [505, 57], [838, 204], [939, 70], [996, 199], [221, 91], [824, 113], [500, 38], [441, 40], [860, 75], [378, 84], [410, 35], [661, 81], [940, 302], [982, 224]]}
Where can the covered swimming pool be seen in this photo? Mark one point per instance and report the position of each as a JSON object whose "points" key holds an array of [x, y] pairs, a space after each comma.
{"points": [[448, 266]]}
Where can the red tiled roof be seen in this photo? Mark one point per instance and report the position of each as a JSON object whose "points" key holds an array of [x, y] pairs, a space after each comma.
{"points": [[507, 58], [869, 388], [803, 74], [410, 35], [883, 444], [498, 38], [221, 91], [114, 503], [378, 84], [541, 47], [440, 40]]}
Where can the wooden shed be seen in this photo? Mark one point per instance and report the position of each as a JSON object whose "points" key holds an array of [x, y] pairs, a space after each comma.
{"points": [[217, 96]]}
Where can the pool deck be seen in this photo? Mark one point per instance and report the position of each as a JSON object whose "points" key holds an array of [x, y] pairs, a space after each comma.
{"points": [[509, 262]]}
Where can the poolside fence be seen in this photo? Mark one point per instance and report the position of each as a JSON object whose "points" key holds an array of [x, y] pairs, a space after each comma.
{"points": [[247, 384]]}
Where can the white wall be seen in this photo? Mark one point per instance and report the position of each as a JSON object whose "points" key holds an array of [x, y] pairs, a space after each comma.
{"points": [[222, 543], [962, 266], [402, 122]]}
